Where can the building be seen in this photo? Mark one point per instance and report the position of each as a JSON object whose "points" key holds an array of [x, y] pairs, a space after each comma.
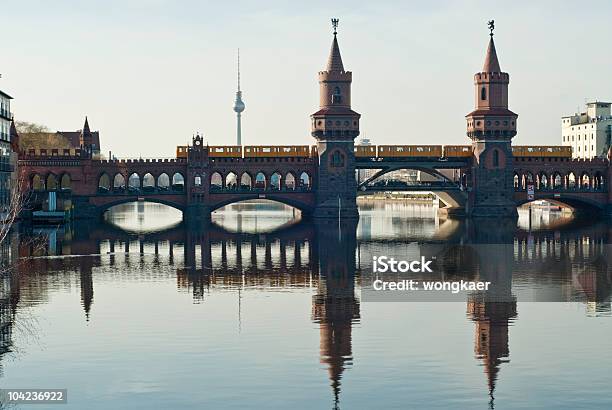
{"points": [[588, 133], [61, 142], [7, 163]]}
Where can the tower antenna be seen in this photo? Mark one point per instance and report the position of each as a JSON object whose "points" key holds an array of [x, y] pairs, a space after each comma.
{"points": [[491, 27], [238, 69]]}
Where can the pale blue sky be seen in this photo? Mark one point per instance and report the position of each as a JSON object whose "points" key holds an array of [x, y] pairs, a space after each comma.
{"points": [[150, 73]]}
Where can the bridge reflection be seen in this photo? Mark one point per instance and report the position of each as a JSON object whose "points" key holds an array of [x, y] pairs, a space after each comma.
{"points": [[329, 260]]}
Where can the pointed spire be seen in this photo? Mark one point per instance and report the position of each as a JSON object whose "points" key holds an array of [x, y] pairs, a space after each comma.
{"points": [[86, 127], [334, 62], [491, 63]]}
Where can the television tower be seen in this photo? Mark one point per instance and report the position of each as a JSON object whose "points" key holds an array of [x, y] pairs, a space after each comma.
{"points": [[238, 107]]}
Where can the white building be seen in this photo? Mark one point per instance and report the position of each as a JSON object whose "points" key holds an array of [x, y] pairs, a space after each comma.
{"points": [[588, 133], [6, 157]]}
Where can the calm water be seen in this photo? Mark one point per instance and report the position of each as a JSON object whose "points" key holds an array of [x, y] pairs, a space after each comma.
{"points": [[262, 310]]}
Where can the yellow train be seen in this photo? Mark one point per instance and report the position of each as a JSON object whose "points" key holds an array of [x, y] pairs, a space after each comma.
{"points": [[365, 151], [225, 151], [457, 151], [267, 151], [181, 151], [542, 151], [393, 151]]}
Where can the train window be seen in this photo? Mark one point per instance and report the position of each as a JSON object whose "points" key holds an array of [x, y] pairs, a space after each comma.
{"points": [[420, 149], [399, 149], [266, 149], [286, 149]]}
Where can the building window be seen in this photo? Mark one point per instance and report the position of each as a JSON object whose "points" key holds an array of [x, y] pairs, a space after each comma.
{"points": [[483, 93], [496, 159], [198, 180], [337, 159], [336, 96]]}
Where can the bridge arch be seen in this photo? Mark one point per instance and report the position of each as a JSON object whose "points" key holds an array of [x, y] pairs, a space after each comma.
{"points": [[148, 181], [37, 183], [276, 181], [65, 182], [126, 200], [573, 201], [51, 182], [119, 181], [303, 207], [134, 181], [231, 180], [261, 180], [289, 180], [305, 180], [163, 181], [246, 181], [216, 180], [178, 181]]}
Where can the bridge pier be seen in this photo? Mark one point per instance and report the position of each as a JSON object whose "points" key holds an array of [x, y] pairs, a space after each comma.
{"points": [[197, 212]]}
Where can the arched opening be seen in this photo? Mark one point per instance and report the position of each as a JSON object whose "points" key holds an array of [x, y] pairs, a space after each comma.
{"points": [[483, 93], [65, 183], [51, 182], [304, 180], [231, 181], [289, 181], [119, 183], [38, 184], [542, 181], [163, 182], [134, 182], [178, 181], [260, 181], [337, 96], [143, 216], [216, 181], [275, 181], [496, 158], [571, 180], [585, 180], [246, 215], [516, 181], [148, 182], [245, 181], [557, 181], [104, 183], [598, 181]]}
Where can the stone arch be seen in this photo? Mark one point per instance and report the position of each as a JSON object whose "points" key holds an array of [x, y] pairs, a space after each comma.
{"points": [[38, 183], [598, 181], [246, 182], [65, 183], [104, 182], [276, 181], [163, 181], [305, 180], [148, 181], [261, 181], [231, 180], [585, 180], [571, 180], [557, 180], [119, 182], [134, 181], [178, 181], [290, 181], [542, 181], [516, 181], [51, 183], [216, 180]]}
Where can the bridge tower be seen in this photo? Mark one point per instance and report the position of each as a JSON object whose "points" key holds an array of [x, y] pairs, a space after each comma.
{"points": [[491, 127], [335, 127]]}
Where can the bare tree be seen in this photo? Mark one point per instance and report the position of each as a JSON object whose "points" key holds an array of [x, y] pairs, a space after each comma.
{"points": [[17, 199], [24, 127]]}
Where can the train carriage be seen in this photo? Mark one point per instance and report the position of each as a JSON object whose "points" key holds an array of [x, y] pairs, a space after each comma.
{"points": [[365, 151], [410, 151], [543, 151], [276, 151], [457, 151], [181, 151], [225, 151]]}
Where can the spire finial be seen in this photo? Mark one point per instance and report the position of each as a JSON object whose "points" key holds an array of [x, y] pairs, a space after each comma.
{"points": [[335, 22], [238, 69], [491, 27]]}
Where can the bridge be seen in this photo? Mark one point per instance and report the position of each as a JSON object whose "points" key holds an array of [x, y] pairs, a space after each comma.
{"points": [[487, 177]]}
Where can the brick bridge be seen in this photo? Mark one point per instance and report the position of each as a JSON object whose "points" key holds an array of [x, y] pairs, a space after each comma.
{"points": [[487, 178]]}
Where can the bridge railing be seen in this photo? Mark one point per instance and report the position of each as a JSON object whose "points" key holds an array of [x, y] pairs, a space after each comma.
{"points": [[141, 161]]}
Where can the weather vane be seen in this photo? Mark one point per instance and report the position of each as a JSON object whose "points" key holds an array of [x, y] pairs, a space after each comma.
{"points": [[335, 22], [491, 27]]}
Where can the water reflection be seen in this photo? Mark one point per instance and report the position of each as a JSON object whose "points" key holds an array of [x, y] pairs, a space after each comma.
{"points": [[279, 253]]}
